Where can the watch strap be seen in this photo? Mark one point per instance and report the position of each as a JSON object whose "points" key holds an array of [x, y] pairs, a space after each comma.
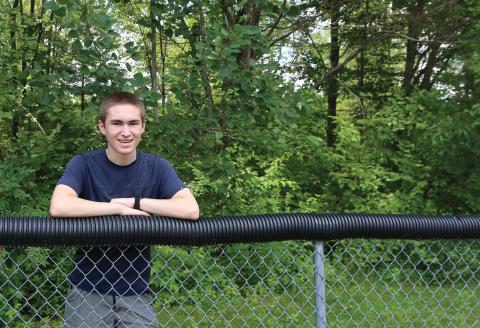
{"points": [[136, 203]]}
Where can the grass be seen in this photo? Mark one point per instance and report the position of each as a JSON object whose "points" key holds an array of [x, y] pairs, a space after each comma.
{"points": [[283, 310], [375, 304], [366, 302]]}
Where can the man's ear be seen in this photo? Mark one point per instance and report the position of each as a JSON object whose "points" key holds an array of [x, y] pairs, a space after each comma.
{"points": [[101, 126]]}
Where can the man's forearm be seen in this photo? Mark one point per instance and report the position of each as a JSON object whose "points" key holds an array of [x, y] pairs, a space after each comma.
{"points": [[182, 205], [176, 207], [76, 207], [66, 203]]}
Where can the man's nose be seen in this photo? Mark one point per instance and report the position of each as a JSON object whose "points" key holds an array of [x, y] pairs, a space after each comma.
{"points": [[125, 130]]}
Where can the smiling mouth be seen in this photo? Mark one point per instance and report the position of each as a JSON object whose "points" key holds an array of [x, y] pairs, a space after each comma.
{"points": [[125, 141]]}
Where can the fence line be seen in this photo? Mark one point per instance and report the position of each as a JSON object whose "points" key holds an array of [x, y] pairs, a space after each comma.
{"points": [[339, 283], [137, 230]]}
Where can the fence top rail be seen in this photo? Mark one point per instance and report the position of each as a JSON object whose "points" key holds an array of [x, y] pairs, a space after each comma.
{"points": [[136, 230]]}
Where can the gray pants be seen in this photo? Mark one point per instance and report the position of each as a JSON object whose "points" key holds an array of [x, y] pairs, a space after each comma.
{"points": [[89, 310]]}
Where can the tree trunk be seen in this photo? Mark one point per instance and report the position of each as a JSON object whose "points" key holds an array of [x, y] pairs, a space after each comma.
{"points": [[253, 13], [13, 19], [332, 83], [153, 64], [204, 69], [431, 63], [414, 11], [15, 116], [362, 60], [49, 47], [82, 95], [470, 80], [163, 57], [40, 35]]}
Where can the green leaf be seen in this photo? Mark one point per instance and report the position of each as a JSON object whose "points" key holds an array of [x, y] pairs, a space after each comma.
{"points": [[139, 80], [83, 56], [73, 34], [88, 41], [60, 12], [225, 72], [314, 141], [44, 99], [182, 31], [84, 70], [107, 41], [7, 115], [199, 46], [77, 45], [293, 11], [51, 5], [292, 113], [252, 30], [142, 21], [157, 9], [218, 136], [136, 56], [103, 21], [69, 3]]}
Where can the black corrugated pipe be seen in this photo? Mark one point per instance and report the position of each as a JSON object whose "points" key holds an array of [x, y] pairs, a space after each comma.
{"points": [[135, 230]]}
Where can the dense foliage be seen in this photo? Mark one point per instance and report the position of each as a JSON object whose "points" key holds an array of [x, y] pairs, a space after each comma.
{"points": [[261, 106]]}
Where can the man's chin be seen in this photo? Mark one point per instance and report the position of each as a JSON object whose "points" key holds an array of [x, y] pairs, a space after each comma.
{"points": [[125, 148], [127, 152], [124, 151]]}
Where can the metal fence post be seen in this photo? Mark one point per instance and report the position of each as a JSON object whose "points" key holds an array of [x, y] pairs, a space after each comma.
{"points": [[320, 301]]}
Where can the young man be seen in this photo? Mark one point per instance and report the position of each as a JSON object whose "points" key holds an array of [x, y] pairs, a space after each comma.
{"points": [[110, 284]]}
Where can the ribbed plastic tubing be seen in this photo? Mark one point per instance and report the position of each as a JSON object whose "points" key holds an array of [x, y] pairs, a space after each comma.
{"points": [[158, 230]]}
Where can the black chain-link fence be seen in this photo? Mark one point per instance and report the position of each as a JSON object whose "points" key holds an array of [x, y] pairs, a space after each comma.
{"points": [[371, 283]]}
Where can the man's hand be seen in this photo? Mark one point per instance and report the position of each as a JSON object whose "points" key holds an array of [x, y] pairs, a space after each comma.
{"points": [[182, 205], [131, 211], [128, 202], [127, 206], [66, 203]]}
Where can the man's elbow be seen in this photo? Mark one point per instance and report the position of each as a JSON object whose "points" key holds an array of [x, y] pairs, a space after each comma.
{"points": [[56, 210], [194, 213], [53, 211]]}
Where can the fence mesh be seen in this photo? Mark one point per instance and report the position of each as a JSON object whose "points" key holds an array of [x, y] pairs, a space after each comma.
{"points": [[367, 282]]}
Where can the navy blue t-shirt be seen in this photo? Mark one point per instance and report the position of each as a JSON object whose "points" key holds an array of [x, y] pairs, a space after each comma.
{"points": [[117, 270]]}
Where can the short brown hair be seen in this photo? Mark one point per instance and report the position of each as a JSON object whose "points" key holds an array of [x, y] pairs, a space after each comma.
{"points": [[119, 98]]}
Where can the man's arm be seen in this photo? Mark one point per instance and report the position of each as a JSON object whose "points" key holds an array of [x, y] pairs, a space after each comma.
{"points": [[66, 203], [182, 205]]}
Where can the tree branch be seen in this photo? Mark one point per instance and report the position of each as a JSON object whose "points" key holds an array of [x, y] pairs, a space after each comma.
{"points": [[353, 93], [275, 24], [352, 55]]}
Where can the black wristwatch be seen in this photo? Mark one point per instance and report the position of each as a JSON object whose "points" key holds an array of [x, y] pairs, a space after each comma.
{"points": [[136, 204]]}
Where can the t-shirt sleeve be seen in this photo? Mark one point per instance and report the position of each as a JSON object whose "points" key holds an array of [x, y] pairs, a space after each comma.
{"points": [[170, 183], [73, 176]]}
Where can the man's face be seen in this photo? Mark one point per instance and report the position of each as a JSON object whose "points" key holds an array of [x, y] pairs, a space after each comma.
{"points": [[123, 128]]}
